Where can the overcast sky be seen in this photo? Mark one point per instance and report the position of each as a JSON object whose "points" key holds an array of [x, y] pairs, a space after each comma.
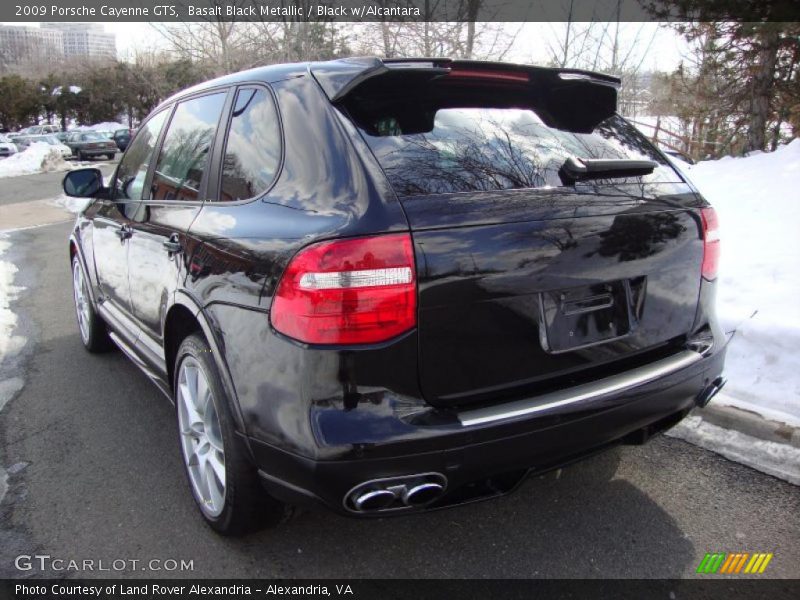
{"points": [[660, 47]]}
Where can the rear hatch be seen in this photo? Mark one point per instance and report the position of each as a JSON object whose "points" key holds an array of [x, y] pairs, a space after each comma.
{"points": [[528, 280]]}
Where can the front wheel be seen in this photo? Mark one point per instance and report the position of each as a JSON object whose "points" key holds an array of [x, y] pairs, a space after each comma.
{"points": [[224, 483], [92, 328]]}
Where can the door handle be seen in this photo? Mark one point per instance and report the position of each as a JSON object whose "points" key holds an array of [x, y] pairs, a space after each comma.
{"points": [[123, 233], [172, 245]]}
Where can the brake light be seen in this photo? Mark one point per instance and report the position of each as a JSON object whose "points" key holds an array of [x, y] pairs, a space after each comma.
{"points": [[353, 291], [487, 74], [710, 243]]}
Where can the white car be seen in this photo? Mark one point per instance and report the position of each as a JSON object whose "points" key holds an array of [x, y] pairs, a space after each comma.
{"points": [[41, 129], [7, 147], [66, 151]]}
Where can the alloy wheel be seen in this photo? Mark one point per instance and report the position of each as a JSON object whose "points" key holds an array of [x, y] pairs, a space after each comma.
{"points": [[82, 305], [201, 437]]}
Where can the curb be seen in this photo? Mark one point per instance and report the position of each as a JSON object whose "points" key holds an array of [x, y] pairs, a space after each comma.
{"points": [[749, 423]]}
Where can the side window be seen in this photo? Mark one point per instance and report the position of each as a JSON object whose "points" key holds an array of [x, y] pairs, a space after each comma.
{"points": [[253, 147], [186, 149], [132, 170]]}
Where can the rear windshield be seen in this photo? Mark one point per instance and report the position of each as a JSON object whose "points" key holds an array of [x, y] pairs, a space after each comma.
{"points": [[487, 149], [92, 137]]}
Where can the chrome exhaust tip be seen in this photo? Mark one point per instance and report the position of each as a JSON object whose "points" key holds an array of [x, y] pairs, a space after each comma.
{"points": [[704, 397], [374, 500], [395, 493], [421, 494]]}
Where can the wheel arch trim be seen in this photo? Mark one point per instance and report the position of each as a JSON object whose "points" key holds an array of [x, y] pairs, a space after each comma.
{"points": [[184, 299]]}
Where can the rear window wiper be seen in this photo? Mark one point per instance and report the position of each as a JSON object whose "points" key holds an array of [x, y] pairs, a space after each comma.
{"points": [[583, 169]]}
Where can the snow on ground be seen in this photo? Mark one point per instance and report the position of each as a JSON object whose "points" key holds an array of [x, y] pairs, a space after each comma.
{"points": [[778, 460], [68, 203], [757, 200], [36, 158], [10, 344]]}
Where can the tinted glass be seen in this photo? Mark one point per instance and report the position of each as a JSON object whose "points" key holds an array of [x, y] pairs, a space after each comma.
{"points": [[132, 171], [253, 148], [482, 149], [185, 153]]}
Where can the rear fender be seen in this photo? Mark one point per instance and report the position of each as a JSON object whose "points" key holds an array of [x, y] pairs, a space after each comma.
{"points": [[211, 333]]}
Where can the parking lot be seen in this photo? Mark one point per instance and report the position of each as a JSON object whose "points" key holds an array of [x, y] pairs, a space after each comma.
{"points": [[94, 472]]}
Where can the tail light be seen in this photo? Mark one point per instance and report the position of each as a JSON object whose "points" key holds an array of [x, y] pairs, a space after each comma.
{"points": [[353, 291], [710, 243]]}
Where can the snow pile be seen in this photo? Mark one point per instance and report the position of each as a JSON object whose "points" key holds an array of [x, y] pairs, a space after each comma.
{"points": [[106, 126], [758, 204], [778, 460], [36, 158]]}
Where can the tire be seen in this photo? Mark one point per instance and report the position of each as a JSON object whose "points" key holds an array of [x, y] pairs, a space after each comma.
{"points": [[211, 450], [110, 156], [91, 327], [81, 156]]}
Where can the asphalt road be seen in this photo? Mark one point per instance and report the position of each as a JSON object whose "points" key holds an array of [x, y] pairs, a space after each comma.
{"points": [[40, 185], [95, 473]]}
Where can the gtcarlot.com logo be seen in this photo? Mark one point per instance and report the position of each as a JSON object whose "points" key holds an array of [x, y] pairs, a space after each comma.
{"points": [[45, 562], [734, 563]]}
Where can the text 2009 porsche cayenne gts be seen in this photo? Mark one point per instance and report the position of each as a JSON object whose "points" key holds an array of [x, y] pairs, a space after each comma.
{"points": [[389, 286]]}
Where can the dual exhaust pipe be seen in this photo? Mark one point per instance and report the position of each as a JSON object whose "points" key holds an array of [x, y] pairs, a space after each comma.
{"points": [[395, 493]]}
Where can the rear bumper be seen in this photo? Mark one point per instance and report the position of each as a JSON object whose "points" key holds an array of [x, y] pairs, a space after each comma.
{"points": [[97, 151], [472, 453]]}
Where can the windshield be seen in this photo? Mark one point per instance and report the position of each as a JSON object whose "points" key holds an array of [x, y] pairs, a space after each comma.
{"points": [[484, 149]]}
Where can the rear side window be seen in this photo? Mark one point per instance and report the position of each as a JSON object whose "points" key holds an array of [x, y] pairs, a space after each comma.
{"points": [[132, 171], [470, 149], [253, 147], [185, 152]]}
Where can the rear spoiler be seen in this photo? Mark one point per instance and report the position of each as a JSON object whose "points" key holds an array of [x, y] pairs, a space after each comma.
{"points": [[571, 99]]}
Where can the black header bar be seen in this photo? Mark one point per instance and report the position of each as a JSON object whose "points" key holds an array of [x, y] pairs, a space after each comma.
{"points": [[398, 10]]}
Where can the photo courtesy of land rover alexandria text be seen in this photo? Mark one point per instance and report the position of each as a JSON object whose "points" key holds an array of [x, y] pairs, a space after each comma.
{"points": [[386, 286]]}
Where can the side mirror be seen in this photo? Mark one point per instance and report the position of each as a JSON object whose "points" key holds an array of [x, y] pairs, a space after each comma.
{"points": [[83, 183]]}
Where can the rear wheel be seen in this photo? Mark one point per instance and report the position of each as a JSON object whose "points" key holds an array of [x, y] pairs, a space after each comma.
{"points": [[94, 334], [110, 156], [224, 483]]}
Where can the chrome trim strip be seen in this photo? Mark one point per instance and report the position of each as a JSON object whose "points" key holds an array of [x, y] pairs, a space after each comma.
{"points": [[581, 393]]}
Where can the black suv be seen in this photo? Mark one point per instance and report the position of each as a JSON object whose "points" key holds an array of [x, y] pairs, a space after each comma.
{"points": [[389, 286]]}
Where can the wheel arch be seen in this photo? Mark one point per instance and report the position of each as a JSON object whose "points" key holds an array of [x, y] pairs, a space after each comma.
{"points": [[76, 250], [184, 318]]}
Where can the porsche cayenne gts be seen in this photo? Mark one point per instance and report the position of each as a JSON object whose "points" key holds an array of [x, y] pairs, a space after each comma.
{"points": [[387, 286]]}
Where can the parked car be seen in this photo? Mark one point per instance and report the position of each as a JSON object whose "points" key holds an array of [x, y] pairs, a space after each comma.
{"points": [[386, 307], [41, 129], [7, 147], [122, 137], [66, 151], [88, 144], [21, 141]]}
